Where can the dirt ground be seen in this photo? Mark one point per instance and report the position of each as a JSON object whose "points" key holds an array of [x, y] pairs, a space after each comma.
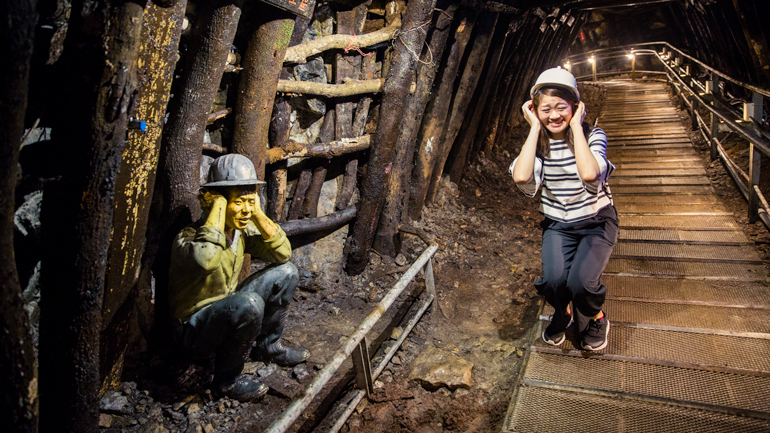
{"points": [[488, 259]]}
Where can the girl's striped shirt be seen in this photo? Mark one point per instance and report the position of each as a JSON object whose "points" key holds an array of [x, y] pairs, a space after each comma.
{"points": [[565, 196]]}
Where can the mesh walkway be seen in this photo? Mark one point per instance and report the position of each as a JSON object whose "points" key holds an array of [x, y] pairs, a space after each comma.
{"points": [[689, 347]]}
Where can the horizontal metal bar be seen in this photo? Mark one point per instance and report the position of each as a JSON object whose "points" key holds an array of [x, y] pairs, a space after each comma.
{"points": [[750, 135], [765, 92], [295, 408]]}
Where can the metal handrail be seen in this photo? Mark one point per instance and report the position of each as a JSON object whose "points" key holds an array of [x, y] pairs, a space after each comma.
{"points": [[357, 342], [760, 90], [693, 95]]}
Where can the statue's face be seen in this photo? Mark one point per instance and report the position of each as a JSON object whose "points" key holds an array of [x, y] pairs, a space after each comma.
{"points": [[240, 206]]}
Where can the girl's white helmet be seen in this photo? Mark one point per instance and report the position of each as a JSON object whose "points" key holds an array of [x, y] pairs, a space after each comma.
{"points": [[556, 77]]}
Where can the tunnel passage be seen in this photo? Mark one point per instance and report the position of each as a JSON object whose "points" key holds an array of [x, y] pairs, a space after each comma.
{"points": [[352, 111]]}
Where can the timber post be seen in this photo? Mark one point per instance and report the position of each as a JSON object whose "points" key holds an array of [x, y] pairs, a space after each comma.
{"points": [[262, 64], [432, 128], [178, 176], [458, 156], [18, 385], [462, 97], [395, 95], [96, 82], [161, 31], [395, 209], [279, 134]]}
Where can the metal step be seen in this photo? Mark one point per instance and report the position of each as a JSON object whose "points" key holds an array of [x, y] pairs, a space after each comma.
{"points": [[709, 319], [667, 268], [739, 392], [678, 221], [684, 252], [672, 199], [756, 294], [548, 410], [670, 208], [681, 349], [662, 189], [658, 165], [679, 236], [662, 180], [642, 154], [631, 172]]}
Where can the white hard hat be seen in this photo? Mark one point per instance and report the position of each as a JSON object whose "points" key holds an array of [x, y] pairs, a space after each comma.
{"points": [[232, 169], [556, 77]]}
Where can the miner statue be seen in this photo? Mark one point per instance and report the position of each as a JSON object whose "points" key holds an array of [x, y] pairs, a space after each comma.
{"points": [[214, 315]]}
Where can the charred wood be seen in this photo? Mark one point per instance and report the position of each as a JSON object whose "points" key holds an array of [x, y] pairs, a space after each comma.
{"points": [[18, 386], [300, 53], [469, 128], [327, 222], [178, 179], [256, 90], [393, 107], [295, 211], [346, 126], [310, 208], [394, 211], [462, 98], [279, 135], [96, 82], [432, 128], [293, 149], [135, 182]]}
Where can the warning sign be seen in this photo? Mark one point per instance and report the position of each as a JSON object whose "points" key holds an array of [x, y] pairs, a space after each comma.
{"points": [[298, 7]]}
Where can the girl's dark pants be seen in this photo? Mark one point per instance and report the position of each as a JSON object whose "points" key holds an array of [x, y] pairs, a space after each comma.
{"points": [[574, 257]]}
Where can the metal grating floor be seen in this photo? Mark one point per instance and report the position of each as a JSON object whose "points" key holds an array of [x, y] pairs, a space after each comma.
{"points": [[592, 413], [688, 298]]}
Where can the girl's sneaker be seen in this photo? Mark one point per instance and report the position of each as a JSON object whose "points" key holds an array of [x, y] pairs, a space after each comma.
{"points": [[595, 336], [555, 333]]}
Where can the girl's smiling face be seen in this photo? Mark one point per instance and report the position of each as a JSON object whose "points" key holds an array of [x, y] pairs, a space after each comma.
{"points": [[555, 113]]}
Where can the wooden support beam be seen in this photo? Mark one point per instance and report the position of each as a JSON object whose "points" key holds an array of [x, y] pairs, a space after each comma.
{"points": [[161, 31], [462, 98], [257, 87], [175, 203], [280, 126], [392, 109], [96, 83], [349, 88], [19, 382], [328, 150], [432, 129], [301, 52], [327, 222], [387, 239]]}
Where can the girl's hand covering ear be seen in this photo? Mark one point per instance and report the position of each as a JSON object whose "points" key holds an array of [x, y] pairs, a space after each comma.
{"points": [[529, 114], [579, 115]]}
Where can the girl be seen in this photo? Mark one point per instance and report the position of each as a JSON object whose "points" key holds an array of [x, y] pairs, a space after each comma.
{"points": [[569, 159]]}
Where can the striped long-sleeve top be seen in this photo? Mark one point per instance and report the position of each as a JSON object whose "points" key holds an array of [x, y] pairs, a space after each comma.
{"points": [[566, 197]]}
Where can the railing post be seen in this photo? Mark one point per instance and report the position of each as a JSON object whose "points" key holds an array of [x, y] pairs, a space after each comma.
{"points": [[363, 367], [694, 113], [754, 109], [712, 87], [430, 284], [755, 161]]}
